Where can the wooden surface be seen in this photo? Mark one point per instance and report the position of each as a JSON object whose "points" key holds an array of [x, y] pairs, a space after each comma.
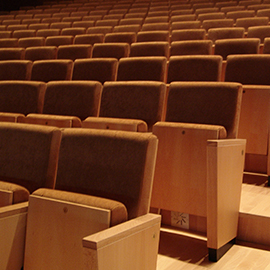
{"points": [[12, 236], [180, 176], [55, 230], [224, 182], [115, 124], [130, 245]]}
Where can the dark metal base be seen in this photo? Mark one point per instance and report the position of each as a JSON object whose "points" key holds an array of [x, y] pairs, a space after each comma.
{"points": [[216, 254], [268, 180]]}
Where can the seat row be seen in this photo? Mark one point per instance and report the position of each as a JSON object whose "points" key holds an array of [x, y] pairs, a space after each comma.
{"points": [[80, 157], [246, 69]]}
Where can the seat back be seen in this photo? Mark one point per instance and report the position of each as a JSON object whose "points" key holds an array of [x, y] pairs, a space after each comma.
{"points": [[150, 68], [12, 54], [15, 70], [29, 155], [22, 96], [248, 22], [248, 69], [191, 47], [89, 39], [225, 33], [147, 36], [128, 37], [226, 47], [111, 50], [97, 69], [52, 70], [133, 100], [74, 51], [31, 42], [181, 68], [260, 32], [41, 53], [157, 48], [72, 98], [205, 103], [188, 34]]}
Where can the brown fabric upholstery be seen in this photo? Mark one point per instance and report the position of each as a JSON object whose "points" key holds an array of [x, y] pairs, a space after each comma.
{"points": [[48, 32], [156, 48], [22, 96], [29, 155], [226, 32], [59, 40], [73, 98], [15, 70], [240, 14], [147, 36], [133, 100], [8, 42], [89, 39], [116, 165], [31, 42], [99, 30], [248, 69], [266, 46], [20, 194], [247, 22], [41, 53], [150, 68], [186, 25], [103, 22], [260, 32], [165, 26], [207, 67], [52, 70], [73, 31], [225, 47], [127, 37], [217, 23], [24, 33], [191, 47], [211, 16], [118, 210], [214, 103], [111, 50], [12, 53], [74, 51], [98, 69], [188, 34]]}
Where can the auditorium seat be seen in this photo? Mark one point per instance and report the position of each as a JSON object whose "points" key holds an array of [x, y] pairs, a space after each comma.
{"points": [[29, 155], [59, 40], [225, 33], [84, 24], [23, 33], [266, 45], [107, 192], [248, 22], [67, 103], [163, 26], [207, 67], [31, 42], [134, 28], [74, 51], [188, 34], [260, 32], [21, 97], [41, 53], [218, 23], [225, 47], [156, 48], [60, 25], [48, 32], [104, 22], [99, 30], [89, 39], [12, 54], [8, 42], [52, 70], [15, 70], [130, 106], [127, 37], [111, 50], [5, 34], [130, 21], [97, 69], [211, 16], [73, 31], [240, 14], [181, 18], [191, 47], [185, 25], [200, 159], [145, 36], [14, 27], [146, 68], [248, 69]]}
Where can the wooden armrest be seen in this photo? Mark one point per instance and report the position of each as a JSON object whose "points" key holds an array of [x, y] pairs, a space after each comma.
{"points": [[115, 123], [61, 121], [225, 165], [10, 117], [130, 245], [12, 235]]}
